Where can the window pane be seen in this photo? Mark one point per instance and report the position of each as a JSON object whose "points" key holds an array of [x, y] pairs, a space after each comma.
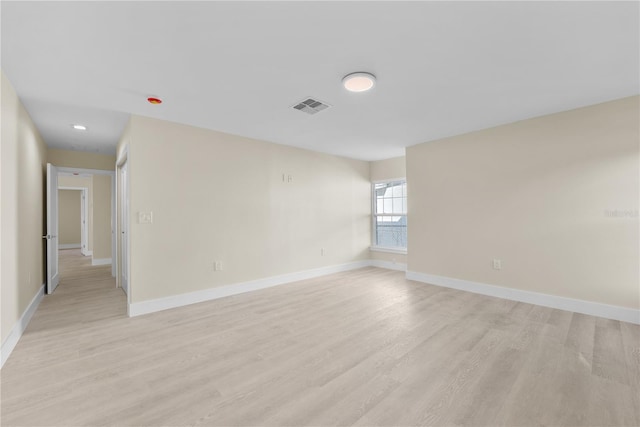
{"points": [[391, 231], [380, 189], [388, 206], [397, 205]]}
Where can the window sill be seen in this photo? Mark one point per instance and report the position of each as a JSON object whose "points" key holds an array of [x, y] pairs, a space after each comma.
{"points": [[388, 250]]}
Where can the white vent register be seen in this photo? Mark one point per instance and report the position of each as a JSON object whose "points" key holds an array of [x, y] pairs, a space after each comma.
{"points": [[311, 106]]}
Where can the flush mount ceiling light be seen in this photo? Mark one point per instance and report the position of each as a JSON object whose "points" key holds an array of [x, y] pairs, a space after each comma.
{"points": [[359, 82], [79, 127], [154, 100]]}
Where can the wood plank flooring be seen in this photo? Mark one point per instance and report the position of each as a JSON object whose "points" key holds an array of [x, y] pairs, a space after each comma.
{"points": [[365, 347]]}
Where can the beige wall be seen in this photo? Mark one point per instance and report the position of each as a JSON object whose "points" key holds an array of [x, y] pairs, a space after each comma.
{"points": [[221, 197], [22, 162], [80, 159], [383, 170], [85, 182], [537, 194], [101, 217], [69, 217]]}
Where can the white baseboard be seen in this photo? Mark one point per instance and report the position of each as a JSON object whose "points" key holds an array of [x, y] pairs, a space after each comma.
{"points": [[18, 329], [623, 314], [86, 253], [69, 246], [389, 265], [101, 261], [145, 307], [578, 306]]}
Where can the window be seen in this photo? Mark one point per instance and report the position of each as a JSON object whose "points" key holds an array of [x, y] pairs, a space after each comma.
{"points": [[390, 215]]}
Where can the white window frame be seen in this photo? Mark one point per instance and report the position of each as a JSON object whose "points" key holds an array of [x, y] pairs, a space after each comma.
{"points": [[374, 247]]}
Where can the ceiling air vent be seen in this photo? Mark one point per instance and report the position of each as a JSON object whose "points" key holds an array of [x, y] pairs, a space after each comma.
{"points": [[311, 106]]}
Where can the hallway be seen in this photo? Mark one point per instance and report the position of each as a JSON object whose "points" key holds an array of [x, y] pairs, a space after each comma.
{"points": [[84, 308], [86, 294]]}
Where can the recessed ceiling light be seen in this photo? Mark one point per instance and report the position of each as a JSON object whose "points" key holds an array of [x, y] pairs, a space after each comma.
{"points": [[79, 127], [359, 82], [154, 101]]}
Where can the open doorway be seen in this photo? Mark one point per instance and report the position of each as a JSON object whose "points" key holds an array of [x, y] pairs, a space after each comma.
{"points": [[80, 217], [73, 224], [87, 220]]}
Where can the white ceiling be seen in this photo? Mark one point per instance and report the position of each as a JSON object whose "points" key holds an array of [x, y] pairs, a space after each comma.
{"points": [[443, 68]]}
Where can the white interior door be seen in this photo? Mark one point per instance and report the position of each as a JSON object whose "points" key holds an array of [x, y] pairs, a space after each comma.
{"points": [[124, 228], [53, 273]]}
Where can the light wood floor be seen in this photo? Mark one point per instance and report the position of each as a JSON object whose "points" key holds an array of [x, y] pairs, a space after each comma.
{"points": [[365, 347]]}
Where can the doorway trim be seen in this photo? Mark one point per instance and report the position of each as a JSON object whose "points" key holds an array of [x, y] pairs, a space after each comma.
{"points": [[84, 209], [121, 217], [82, 171]]}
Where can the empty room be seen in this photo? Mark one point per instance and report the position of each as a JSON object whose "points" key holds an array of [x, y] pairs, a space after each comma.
{"points": [[307, 213]]}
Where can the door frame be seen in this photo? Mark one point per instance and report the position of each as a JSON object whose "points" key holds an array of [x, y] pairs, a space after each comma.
{"points": [[82, 171], [123, 203], [84, 209]]}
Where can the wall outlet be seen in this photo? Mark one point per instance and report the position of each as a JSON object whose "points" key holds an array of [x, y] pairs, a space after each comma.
{"points": [[217, 266], [321, 251], [497, 264], [145, 217]]}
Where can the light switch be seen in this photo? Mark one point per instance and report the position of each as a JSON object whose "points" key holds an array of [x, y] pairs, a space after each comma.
{"points": [[145, 217]]}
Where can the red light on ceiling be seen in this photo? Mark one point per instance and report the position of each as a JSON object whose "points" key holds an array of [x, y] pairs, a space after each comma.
{"points": [[154, 101]]}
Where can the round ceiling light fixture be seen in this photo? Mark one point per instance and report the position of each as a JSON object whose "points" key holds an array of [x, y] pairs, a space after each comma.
{"points": [[79, 127], [154, 100], [359, 82]]}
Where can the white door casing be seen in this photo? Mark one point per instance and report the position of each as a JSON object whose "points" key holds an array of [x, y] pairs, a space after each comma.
{"points": [[124, 228], [114, 234], [84, 232]]}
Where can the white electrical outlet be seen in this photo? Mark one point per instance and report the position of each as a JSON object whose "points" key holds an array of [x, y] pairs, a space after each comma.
{"points": [[497, 264], [145, 217], [321, 251], [217, 266]]}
